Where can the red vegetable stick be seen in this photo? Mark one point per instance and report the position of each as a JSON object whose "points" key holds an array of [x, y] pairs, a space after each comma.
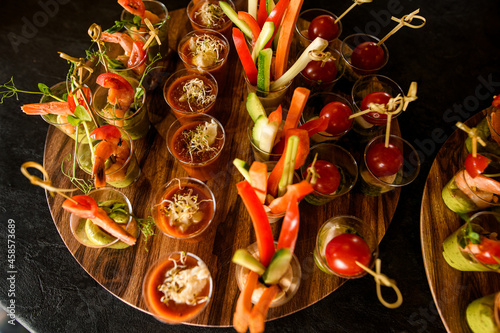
{"points": [[244, 305], [286, 36], [260, 222], [275, 16], [262, 13], [252, 23], [312, 127], [276, 115], [259, 311], [290, 227], [258, 179], [293, 192], [245, 56], [297, 105], [302, 152]]}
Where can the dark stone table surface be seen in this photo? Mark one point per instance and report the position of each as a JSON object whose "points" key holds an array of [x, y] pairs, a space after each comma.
{"points": [[454, 59]]}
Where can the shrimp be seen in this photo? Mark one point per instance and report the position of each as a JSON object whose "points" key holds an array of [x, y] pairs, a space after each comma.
{"points": [[65, 126], [120, 95], [481, 190], [111, 146], [125, 41], [86, 207], [59, 108]]}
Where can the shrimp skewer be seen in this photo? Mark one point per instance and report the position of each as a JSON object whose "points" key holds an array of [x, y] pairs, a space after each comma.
{"points": [[120, 96], [86, 207], [136, 7], [59, 108], [480, 189]]}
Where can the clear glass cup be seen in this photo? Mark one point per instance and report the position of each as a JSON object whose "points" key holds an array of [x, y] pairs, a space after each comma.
{"points": [[175, 86], [464, 194], [348, 47], [345, 163], [483, 314], [159, 9], [61, 122], [303, 23], [269, 99], [454, 246], [90, 235], [217, 21], [117, 175], [205, 166], [172, 312], [192, 231], [289, 284], [337, 226], [315, 103], [186, 49], [372, 124], [114, 53], [135, 121], [373, 185], [319, 86]]}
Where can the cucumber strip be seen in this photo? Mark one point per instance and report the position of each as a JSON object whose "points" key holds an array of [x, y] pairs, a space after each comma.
{"points": [[265, 35], [289, 167], [270, 6], [233, 16], [243, 258], [264, 134], [278, 266], [254, 107], [242, 167], [318, 44], [264, 70]]}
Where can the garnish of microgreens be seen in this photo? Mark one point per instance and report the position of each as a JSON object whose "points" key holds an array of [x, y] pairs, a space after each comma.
{"points": [[12, 90], [201, 139], [183, 209], [205, 45], [211, 14], [196, 92]]}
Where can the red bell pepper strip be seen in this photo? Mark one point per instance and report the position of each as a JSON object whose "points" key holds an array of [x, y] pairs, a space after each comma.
{"points": [[293, 192], [245, 56], [86, 207], [290, 227], [260, 221], [252, 23], [302, 152], [262, 13], [275, 16], [312, 127]]}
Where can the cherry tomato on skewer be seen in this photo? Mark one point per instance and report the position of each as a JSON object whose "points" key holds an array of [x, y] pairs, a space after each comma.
{"points": [[384, 161], [329, 177], [323, 26], [368, 56], [344, 250], [476, 165], [316, 71], [377, 97], [338, 117]]}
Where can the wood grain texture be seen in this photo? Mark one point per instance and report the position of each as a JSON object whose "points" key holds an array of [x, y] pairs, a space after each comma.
{"points": [[121, 271], [452, 290]]}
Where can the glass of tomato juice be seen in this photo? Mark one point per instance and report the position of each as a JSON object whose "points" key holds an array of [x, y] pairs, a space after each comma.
{"points": [[197, 143], [342, 241], [337, 169], [190, 91], [184, 209], [462, 254], [384, 169], [160, 289], [207, 14]]}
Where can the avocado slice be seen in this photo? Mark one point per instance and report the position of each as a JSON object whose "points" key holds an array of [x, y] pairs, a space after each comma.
{"points": [[278, 266], [243, 258]]}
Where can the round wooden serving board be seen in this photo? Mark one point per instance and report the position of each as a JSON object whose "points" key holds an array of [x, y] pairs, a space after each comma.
{"points": [[122, 271], [452, 290]]}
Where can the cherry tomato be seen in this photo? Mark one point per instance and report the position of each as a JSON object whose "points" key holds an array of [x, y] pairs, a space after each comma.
{"points": [[316, 71], [337, 114], [323, 26], [71, 98], [377, 97], [486, 251], [344, 250], [368, 56], [329, 177], [476, 165], [384, 161], [138, 55]]}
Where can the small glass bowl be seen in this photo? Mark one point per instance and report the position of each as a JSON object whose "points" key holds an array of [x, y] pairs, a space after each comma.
{"points": [[162, 221], [341, 225], [303, 23], [151, 295], [224, 28], [349, 45], [289, 284], [318, 86]]}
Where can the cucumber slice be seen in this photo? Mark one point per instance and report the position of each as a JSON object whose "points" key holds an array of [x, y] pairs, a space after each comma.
{"points": [[265, 35], [233, 16], [242, 167], [254, 107], [270, 6], [257, 129], [243, 258], [268, 132], [264, 70], [278, 266]]}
